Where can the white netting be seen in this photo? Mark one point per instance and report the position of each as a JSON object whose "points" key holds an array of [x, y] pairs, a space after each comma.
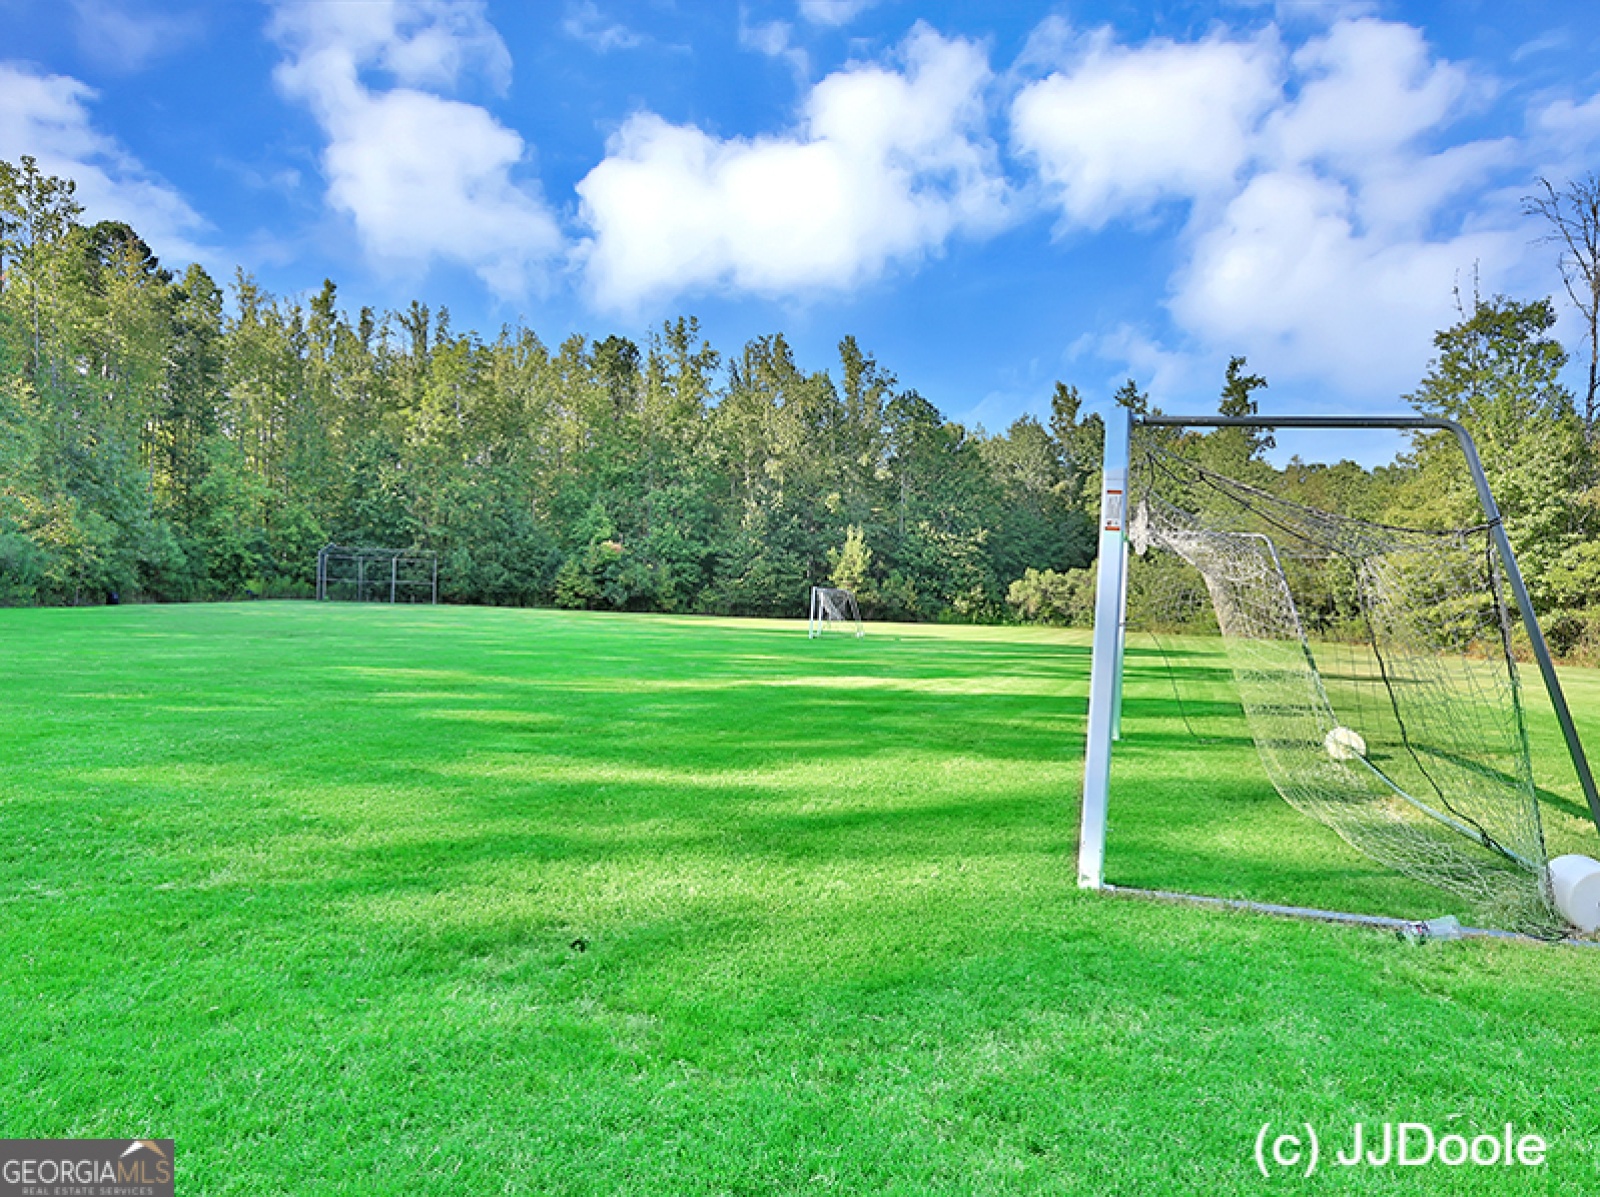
{"points": [[831, 604], [1374, 667]]}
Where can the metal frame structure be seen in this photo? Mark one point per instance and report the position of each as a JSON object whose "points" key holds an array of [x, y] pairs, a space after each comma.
{"points": [[821, 611], [399, 586], [1110, 620]]}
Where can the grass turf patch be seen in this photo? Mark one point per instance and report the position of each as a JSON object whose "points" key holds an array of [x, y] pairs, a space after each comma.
{"points": [[361, 899]]}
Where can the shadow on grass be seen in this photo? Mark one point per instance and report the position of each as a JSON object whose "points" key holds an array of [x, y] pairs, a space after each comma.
{"points": [[508, 749]]}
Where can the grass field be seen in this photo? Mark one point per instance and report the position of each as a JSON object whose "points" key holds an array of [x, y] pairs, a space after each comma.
{"points": [[462, 901]]}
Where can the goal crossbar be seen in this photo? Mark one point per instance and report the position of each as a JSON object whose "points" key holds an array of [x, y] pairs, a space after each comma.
{"points": [[1110, 629]]}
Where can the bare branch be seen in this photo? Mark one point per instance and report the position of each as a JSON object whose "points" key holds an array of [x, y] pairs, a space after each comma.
{"points": [[1573, 218]]}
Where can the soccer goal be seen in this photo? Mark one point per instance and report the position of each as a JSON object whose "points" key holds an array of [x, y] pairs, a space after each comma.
{"points": [[377, 575], [830, 604], [1376, 666]]}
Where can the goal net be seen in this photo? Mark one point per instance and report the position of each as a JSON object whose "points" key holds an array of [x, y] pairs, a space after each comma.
{"points": [[830, 605], [1376, 667], [377, 575]]}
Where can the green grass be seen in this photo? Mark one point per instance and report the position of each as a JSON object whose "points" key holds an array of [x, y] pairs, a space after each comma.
{"points": [[373, 900]]}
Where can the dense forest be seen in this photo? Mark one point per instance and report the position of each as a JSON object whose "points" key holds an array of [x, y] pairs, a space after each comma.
{"points": [[162, 440]]}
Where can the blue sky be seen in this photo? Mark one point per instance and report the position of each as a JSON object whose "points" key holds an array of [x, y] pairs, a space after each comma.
{"points": [[990, 197]]}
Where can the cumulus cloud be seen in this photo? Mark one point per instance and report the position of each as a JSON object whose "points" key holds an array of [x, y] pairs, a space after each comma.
{"points": [[885, 166], [1316, 188], [1289, 276], [1328, 262], [48, 117], [421, 43], [422, 176], [1123, 128], [1368, 87]]}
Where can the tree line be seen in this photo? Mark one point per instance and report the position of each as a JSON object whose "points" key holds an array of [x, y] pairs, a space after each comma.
{"points": [[162, 443], [160, 440]]}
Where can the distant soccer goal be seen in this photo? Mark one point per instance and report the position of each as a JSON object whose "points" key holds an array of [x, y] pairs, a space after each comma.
{"points": [[1376, 666], [830, 604], [377, 575]]}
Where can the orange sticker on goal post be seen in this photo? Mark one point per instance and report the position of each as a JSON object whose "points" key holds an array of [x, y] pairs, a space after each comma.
{"points": [[1112, 515]]}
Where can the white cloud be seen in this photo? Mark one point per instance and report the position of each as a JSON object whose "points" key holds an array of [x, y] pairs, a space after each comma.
{"points": [[1567, 132], [1368, 90], [1550, 42], [1319, 237], [833, 12], [585, 22], [1321, 12], [1123, 128], [1050, 43], [775, 39], [1327, 263], [47, 116], [1160, 371], [422, 177], [1568, 119], [886, 166], [122, 39], [421, 43], [1288, 276]]}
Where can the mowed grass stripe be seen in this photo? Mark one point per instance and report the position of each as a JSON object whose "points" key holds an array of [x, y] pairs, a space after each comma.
{"points": [[443, 900]]}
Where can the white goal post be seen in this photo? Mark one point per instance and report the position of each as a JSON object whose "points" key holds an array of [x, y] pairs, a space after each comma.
{"points": [[1282, 655], [833, 604]]}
